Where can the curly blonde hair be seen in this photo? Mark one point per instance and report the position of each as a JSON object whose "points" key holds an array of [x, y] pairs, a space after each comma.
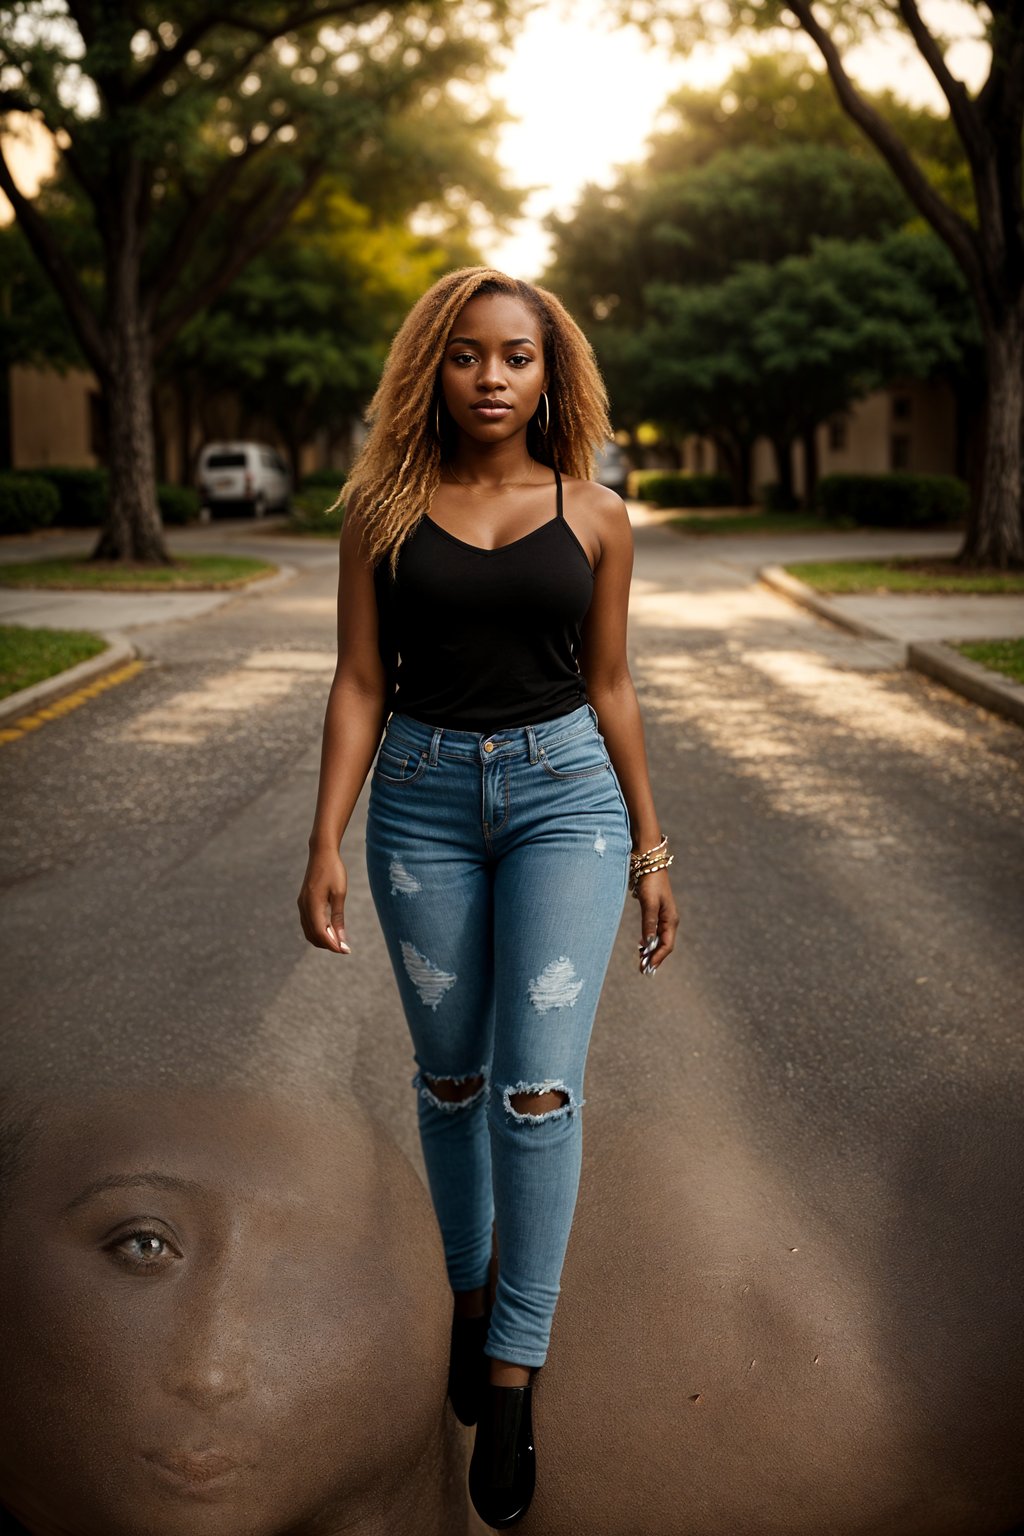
{"points": [[396, 475]]}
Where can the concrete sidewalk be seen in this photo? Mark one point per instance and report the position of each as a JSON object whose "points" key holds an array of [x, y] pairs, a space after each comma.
{"points": [[915, 629], [118, 616], [921, 627]]}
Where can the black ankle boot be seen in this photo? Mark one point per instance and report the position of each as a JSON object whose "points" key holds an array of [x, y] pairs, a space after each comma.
{"points": [[503, 1469], [467, 1366]]}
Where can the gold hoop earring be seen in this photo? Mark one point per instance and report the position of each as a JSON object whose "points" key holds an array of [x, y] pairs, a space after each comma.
{"points": [[547, 415], [437, 417]]}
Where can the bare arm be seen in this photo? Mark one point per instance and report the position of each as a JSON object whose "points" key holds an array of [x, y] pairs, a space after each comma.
{"points": [[610, 690], [352, 730]]}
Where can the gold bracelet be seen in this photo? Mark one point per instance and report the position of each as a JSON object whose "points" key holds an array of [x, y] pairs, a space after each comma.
{"points": [[648, 863]]}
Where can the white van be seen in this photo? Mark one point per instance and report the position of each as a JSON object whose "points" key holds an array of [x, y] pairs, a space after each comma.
{"points": [[243, 477]]}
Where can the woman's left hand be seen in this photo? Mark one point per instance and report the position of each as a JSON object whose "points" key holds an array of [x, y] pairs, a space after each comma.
{"points": [[658, 921]]}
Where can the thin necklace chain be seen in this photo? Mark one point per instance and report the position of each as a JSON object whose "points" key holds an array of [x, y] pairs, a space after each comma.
{"points": [[502, 485]]}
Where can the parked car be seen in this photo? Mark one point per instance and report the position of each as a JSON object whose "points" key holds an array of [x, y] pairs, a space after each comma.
{"points": [[611, 467], [243, 477]]}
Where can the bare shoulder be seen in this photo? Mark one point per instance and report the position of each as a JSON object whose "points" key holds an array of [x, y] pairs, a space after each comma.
{"points": [[601, 512]]}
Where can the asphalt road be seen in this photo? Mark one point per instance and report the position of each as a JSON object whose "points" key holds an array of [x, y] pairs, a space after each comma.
{"points": [[793, 1298]]}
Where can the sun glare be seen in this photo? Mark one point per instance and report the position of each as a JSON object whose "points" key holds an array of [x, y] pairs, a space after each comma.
{"points": [[587, 95]]}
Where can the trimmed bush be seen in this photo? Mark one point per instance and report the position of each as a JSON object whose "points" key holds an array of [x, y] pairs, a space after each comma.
{"points": [[332, 479], [894, 501], [178, 503], [670, 488], [26, 502], [310, 513], [83, 494], [773, 499]]}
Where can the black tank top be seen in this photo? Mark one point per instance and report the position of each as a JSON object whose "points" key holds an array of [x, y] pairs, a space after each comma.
{"points": [[479, 639]]}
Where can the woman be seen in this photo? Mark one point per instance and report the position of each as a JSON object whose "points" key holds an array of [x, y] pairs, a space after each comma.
{"points": [[482, 601]]}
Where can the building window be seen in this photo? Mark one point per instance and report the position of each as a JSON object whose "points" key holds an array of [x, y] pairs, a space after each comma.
{"points": [[901, 407], [899, 451], [837, 434]]}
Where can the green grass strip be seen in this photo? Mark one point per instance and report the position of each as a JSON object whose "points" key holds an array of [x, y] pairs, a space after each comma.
{"points": [[28, 656], [1005, 656], [188, 573], [939, 575]]}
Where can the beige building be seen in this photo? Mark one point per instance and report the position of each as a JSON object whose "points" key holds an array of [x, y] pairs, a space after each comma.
{"points": [[55, 418], [910, 425]]}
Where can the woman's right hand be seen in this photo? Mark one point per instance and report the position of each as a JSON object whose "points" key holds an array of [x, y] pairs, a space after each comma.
{"points": [[322, 902]]}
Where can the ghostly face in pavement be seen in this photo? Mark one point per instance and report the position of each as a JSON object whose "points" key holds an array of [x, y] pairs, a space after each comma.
{"points": [[208, 1301]]}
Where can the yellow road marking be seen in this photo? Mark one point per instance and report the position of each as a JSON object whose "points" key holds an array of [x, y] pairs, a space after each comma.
{"points": [[26, 723]]}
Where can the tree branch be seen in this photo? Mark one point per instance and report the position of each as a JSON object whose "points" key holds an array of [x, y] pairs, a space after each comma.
{"points": [[193, 225], [60, 271], [947, 223], [233, 263], [168, 60], [960, 105]]}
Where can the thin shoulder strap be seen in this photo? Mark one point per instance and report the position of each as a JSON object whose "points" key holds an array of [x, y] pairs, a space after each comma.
{"points": [[558, 484]]}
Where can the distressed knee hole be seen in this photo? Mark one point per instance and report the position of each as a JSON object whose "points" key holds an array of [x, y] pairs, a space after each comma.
{"points": [[450, 1094], [454, 1089], [533, 1103]]}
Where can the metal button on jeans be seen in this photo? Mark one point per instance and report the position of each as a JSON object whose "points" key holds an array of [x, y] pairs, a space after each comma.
{"points": [[488, 746]]}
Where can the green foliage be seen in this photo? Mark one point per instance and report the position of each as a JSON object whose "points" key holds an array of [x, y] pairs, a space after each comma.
{"points": [[190, 135], [894, 501], [83, 493], [782, 98], [314, 511], [33, 325], [664, 488], [302, 335], [329, 479], [26, 502], [179, 504]]}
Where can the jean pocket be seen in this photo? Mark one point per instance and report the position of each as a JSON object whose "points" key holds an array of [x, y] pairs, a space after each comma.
{"points": [[398, 764], [580, 756]]}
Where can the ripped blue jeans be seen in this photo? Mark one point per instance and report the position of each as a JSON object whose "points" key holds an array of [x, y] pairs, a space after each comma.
{"points": [[498, 868]]}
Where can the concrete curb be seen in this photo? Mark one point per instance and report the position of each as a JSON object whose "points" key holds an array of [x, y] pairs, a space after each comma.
{"points": [[23, 702], [118, 651], [278, 578], [782, 581], [968, 678]]}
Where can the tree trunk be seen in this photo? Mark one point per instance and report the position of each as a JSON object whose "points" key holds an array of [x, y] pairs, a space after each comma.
{"points": [[737, 453], [185, 413], [132, 530], [782, 448], [996, 532], [809, 439]]}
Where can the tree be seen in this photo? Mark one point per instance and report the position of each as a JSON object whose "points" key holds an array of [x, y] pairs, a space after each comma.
{"points": [[302, 334], [693, 228], [776, 349], [989, 248], [192, 133]]}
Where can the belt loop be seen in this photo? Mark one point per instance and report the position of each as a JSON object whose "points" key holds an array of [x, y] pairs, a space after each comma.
{"points": [[593, 716], [435, 745], [531, 741]]}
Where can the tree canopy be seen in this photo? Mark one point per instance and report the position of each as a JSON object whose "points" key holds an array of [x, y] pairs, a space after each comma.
{"points": [[190, 134]]}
